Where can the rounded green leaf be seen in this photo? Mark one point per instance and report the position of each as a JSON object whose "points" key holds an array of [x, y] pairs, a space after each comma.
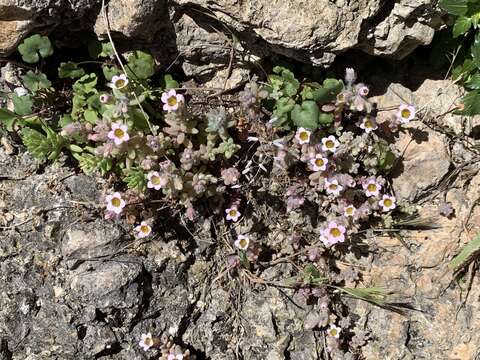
{"points": [[35, 81], [70, 70], [306, 115], [34, 47]]}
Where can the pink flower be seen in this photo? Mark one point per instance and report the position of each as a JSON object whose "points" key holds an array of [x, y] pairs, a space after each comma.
{"points": [[146, 341], [171, 100], [119, 82], [155, 181], [349, 211], [334, 331], [242, 242], [105, 98], [372, 188], [118, 133], [232, 214], [303, 136], [363, 90], [332, 187], [368, 124], [330, 144], [143, 230], [333, 234], [387, 203], [115, 203], [405, 113], [318, 163]]}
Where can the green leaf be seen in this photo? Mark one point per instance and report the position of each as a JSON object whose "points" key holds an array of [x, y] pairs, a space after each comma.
{"points": [[23, 104], [289, 82], [170, 83], [34, 47], [135, 179], [325, 119], [385, 157], [462, 25], [306, 115], [141, 65], [107, 50], [463, 70], [7, 119], [109, 72], [70, 70], [90, 116], [471, 103], [64, 120], [455, 7], [473, 82], [475, 50], [466, 255], [43, 146], [35, 82], [328, 92], [86, 84]]}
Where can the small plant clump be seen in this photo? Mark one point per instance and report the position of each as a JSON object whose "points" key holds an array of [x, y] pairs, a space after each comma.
{"points": [[320, 148]]}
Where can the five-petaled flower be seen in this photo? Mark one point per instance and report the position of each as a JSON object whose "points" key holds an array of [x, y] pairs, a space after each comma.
{"points": [[333, 234], [171, 100], [388, 203], [368, 124], [146, 341], [363, 90], [242, 242], [372, 188], [405, 113], [303, 136], [115, 203], [118, 133], [318, 163], [349, 211], [155, 181], [232, 214], [334, 331], [143, 230], [332, 187], [119, 82], [330, 144]]}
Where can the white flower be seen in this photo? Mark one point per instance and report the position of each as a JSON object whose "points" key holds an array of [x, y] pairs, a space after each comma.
{"points": [[318, 163], [118, 133], [155, 181], [175, 357], [372, 188], [242, 242], [333, 234], [20, 91], [143, 230], [334, 331], [368, 124], [171, 100], [119, 82], [349, 211], [232, 214], [405, 113], [363, 90], [388, 203], [105, 98], [330, 144], [146, 341], [115, 203], [350, 76], [332, 187], [303, 136]]}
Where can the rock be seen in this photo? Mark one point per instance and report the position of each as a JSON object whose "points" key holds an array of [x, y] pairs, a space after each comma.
{"points": [[11, 32], [137, 19], [91, 241]]}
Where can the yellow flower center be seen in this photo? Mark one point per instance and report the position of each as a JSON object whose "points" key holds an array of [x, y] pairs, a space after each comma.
{"points": [[303, 136], [368, 124], [232, 213], [119, 83], [387, 202], [145, 229], [335, 232], [349, 210], [319, 162], [243, 243], [119, 133], [172, 101], [116, 202], [372, 187], [333, 186], [333, 332], [155, 180], [148, 341], [406, 113], [329, 144]]}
